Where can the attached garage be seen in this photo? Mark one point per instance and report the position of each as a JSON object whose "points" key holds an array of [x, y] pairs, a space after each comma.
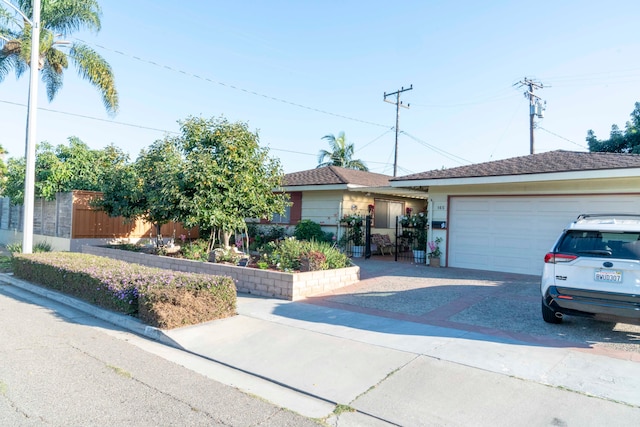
{"points": [[513, 233], [505, 215]]}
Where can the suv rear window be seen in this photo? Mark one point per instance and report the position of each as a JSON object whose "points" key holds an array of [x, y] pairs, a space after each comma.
{"points": [[601, 244]]}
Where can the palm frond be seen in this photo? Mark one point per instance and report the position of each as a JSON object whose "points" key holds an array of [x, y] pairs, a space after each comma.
{"points": [[55, 62], [7, 17], [323, 154], [67, 16], [93, 67], [10, 59], [5, 66], [358, 165]]}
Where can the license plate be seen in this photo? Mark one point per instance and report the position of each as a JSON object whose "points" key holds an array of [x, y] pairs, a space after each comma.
{"points": [[608, 276]]}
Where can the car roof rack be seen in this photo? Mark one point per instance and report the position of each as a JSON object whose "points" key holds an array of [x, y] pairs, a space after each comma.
{"points": [[626, 215]]}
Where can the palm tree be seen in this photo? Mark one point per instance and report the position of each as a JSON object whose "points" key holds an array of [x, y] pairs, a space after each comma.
{"points": [[340, 155], [59, 18]]}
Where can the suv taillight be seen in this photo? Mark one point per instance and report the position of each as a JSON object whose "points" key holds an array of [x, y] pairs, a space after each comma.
{"points": [[553, 258]]}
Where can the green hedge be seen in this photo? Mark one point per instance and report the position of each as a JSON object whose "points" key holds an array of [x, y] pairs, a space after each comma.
{"points": [[162, 298]]}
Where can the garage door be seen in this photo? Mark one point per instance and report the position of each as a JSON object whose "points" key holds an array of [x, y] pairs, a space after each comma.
{"points": [[512, 234]]}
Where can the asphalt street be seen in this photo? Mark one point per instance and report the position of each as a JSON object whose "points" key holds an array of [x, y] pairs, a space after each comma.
{"points": [[62, 367]]}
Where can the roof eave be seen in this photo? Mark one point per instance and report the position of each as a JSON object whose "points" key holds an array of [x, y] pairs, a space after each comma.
{"points": [[315, 187], [507, 179], [393, 191]]}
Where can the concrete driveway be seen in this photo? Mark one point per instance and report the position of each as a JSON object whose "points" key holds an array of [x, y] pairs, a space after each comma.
{"points": [[498, 304]]}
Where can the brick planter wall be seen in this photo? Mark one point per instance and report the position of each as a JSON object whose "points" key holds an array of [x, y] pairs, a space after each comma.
{"points": [[289, 286]]}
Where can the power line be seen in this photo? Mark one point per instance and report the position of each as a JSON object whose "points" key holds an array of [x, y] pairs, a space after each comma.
{"points": [[562, 137], [230, 86], [172, 132], [444, 153], [504, 132], [375, 139], [92, 118]]}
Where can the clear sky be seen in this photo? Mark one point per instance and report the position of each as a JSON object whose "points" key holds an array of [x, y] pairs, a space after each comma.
{"points": [[298, 70]]}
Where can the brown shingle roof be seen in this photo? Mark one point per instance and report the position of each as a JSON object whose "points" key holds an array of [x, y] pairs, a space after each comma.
{"points": [[550, 162], [332, 175]]}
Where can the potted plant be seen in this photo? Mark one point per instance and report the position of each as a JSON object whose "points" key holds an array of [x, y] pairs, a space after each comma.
{"points": [[434, 252]]}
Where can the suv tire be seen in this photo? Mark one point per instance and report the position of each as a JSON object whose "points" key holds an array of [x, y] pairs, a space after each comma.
{"points": [[549, 316]]}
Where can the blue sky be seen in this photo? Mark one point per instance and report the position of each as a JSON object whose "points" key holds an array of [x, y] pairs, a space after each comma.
{"points": [[298, 70]]}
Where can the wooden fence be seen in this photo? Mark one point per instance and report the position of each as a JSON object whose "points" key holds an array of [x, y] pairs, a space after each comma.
{"points": [[71, 216], [89, 223]]}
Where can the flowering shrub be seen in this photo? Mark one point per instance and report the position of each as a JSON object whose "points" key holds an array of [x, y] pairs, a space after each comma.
{"points": [[126, 287], [356, 231], [419, 222], [434, 248]]}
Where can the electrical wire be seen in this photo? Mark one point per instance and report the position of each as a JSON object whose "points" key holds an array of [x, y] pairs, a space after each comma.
{"points": [[374, 140], [234, 87], [167, 131], [440, 151], [562, 137], [92, 118]]}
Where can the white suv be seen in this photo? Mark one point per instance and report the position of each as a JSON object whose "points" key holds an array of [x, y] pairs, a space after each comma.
{"points": [[593, 270]]}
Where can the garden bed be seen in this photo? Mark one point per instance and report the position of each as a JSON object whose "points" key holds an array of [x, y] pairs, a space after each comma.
{"points": [[274, 284]]}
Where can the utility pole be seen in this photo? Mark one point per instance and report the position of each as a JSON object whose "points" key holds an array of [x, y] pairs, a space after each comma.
{"points": [[536, 108], [398, 105]]}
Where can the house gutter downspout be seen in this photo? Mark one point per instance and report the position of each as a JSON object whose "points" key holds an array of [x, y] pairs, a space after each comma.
{"points": [[429, 221]]}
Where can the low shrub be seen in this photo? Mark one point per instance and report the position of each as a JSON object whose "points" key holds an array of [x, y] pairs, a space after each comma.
{"points": [[227, 255], [290, 254], [196, 250], [260, 235], [333, 257], [308, 230], [161, 298], [189, 302], [311, 231]]}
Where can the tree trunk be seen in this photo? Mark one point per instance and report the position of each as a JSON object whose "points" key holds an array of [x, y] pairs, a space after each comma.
{"points": [[226, 237], [158, 236]]}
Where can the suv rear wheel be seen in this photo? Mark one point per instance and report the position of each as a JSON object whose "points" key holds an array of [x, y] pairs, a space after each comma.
{"points": [[549, 316]]}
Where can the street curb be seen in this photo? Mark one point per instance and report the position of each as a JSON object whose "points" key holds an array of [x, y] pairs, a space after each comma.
{"points": [[122, 320]]}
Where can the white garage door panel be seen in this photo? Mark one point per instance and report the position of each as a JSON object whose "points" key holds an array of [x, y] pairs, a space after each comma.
{"points": [[512, 234]]}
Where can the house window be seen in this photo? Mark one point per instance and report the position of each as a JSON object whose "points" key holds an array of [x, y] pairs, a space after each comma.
{"points": [[282, 219], [386, 213]]}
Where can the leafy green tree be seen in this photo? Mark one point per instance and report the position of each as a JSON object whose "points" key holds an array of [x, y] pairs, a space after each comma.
{"points": [[227, 177], [14, 185], [123, 193], [619, 141], [149, 189], [58, 18], [341, 154], [3, 170], [64, 168], [52, 173]]}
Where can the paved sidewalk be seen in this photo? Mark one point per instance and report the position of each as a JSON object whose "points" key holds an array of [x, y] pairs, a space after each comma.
{"points": [[310, 358]]}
